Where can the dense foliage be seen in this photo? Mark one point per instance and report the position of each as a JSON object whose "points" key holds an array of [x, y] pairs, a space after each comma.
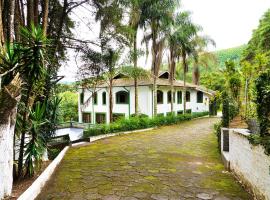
{"points": [[135, 123], [259, 46], [34, 37], [263, 101], [68, 106], [263, 108], [234, 54]]}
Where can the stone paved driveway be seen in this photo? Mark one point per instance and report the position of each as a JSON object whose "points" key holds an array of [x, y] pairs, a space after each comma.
{"points": [[174, 162]]}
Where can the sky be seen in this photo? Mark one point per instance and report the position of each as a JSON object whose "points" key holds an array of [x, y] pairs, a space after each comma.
{"points": [[228, 22]]}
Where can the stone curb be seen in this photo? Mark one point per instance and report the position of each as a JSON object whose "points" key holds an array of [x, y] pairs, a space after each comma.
{"points": [[33, 191]]}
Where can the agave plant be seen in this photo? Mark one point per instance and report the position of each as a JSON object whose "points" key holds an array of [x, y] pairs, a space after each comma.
{"points": [[36, 145], [9, 63], [33, 69], [52, 116]]}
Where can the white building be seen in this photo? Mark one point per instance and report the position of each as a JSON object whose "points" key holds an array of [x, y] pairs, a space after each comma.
{"points": [[94, 104]]}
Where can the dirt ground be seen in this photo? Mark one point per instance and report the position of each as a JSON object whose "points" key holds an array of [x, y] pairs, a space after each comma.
{"points": [[20, 186]]}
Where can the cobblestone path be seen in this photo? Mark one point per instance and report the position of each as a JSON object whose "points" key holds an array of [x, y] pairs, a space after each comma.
{"points": [[173, 162]]}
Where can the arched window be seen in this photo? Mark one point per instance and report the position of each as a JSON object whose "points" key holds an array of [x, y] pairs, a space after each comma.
{"points": [[179, 97], [199, 97], [122, 97], [159, 97], [104, 100], [187, 96]]}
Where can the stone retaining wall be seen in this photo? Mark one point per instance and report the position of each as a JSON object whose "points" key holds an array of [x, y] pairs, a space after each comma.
{"points": [[248, 162]]}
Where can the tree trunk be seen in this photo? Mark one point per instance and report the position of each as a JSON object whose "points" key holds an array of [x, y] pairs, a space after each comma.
{"points": [[2, 39], [11, 31], [172, 72], [18, 21], [110, 101], [45, 16], [22, 11], [51, 67], [184, 79], [154, 65], [172, 98], [196, 74], [135, 62], [136, 97], [9, 97], [36, 14], [30, 12], [155, 95], [246, 97]]}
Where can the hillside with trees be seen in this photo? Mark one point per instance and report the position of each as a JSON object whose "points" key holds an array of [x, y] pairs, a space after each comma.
{"points": [[224, 55]]}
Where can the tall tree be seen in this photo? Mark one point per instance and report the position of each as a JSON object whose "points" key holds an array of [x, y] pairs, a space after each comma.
{"points": [[158, 17], [110, 58], [181, 46], [173, 46], [201, 56], [134, 22], [113, 33], [186, 49]]}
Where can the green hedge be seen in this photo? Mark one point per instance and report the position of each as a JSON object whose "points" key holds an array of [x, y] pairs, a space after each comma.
{"points": [[135, 123]]}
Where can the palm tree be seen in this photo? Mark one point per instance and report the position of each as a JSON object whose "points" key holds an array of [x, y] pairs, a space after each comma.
{"points": [[110, 58], [181, 45], [185, 36], [158, 16], [173, 45], [36, 146], [201, 56], [136, 74], [134, 22]]}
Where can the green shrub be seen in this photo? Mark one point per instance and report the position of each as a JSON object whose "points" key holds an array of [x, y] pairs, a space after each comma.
{"points": [[225, 110], [135, 123], [257, 139], [263, 111], [263, 102], [217, 128], [139, 115]]}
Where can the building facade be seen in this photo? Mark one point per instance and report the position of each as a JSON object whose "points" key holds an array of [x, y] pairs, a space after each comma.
{"points": [[94, 103]]}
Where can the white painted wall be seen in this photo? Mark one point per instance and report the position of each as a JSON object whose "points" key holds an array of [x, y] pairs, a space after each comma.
{"points": [[249, 163], [145, 102], [199, 107]]}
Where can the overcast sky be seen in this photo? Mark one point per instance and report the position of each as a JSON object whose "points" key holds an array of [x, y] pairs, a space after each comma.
{"points": [[228, 22]]}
